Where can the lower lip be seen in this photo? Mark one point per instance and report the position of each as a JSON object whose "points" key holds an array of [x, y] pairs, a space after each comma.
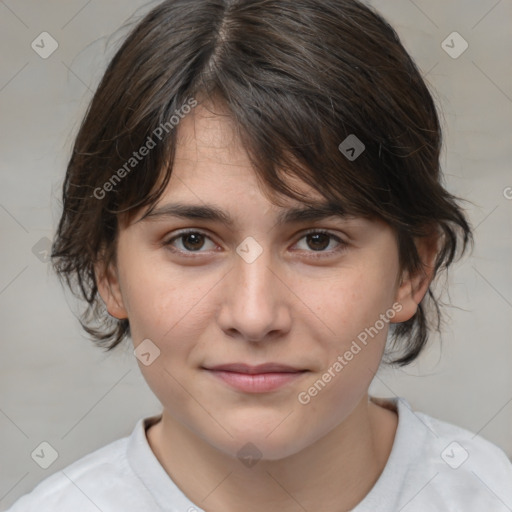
{"points": [[257, 382]]}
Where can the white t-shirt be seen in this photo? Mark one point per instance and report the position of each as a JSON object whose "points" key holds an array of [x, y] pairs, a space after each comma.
{"points": [[433, 466]]}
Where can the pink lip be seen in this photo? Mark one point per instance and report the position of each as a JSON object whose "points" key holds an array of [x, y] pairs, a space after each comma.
{"points": [[260, 368], [256, 379]]}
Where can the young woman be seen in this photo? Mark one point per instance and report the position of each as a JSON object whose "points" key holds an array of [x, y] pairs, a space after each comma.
{"points": [[255, 198]]}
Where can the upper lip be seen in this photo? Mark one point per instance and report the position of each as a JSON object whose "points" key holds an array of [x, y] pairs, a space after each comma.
{"points": [[261, 368]]}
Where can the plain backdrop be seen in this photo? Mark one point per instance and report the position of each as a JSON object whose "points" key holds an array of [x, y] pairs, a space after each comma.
{"points": [[56, 387]]}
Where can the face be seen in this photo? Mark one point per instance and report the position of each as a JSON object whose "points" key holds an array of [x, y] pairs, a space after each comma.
{"points": [[254, 292]]}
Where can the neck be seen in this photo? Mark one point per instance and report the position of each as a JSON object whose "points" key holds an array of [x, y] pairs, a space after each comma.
{"points": [[334, 473]]}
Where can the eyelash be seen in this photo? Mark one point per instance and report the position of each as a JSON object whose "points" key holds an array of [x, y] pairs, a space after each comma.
{"points": [[315, 254]]}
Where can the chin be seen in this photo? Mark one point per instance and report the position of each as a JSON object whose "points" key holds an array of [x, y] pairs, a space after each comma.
{"points": [[250, 449], [260, 443]]}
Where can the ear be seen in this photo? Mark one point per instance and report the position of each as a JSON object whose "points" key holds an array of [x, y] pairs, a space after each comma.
{"points": [[413, 287], [110, 290]]}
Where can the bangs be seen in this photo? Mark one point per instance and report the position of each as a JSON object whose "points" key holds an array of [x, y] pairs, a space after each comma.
{"points": [[321, 93]]}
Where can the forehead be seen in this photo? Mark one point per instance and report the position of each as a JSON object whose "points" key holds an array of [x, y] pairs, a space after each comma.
{"points": [[212, 174], [209, 131], [209, 150]]}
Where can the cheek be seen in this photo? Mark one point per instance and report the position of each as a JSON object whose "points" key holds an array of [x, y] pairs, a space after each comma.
{"points": [[355, 310], [172, 309], [167, 308], [351, 354], [352, 302], [161, 299]]}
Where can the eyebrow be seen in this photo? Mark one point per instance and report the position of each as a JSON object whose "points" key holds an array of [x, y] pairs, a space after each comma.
{"points": [[212, 213]]}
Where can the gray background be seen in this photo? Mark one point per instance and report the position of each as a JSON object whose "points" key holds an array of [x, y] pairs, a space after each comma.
{"points": [[55, 386]]}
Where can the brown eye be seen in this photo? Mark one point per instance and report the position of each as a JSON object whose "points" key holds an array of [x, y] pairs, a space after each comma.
{"points": [[191, 241], [319, 241]]}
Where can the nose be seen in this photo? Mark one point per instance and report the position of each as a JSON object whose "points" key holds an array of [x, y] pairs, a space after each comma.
{"points": [[255, 300]]}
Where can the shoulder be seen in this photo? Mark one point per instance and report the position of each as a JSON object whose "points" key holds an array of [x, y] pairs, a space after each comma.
{"points": [[465, 446], [456, 465], [88, 484]]}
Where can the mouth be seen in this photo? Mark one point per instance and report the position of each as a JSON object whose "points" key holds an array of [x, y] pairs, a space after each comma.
{"points": [[255, 379]]}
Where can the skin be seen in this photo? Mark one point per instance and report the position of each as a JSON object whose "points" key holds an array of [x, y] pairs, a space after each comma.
{"points": [[213, 307]]}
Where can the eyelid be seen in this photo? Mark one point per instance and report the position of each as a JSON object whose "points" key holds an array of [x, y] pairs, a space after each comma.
{"points": [[342, 243], [180, 233]]}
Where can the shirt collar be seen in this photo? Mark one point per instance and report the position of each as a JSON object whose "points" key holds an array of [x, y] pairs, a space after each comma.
{"points": [[389, 485]]}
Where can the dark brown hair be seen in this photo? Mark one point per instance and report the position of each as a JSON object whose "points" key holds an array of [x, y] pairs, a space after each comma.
{"points": [[298, 77]]}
